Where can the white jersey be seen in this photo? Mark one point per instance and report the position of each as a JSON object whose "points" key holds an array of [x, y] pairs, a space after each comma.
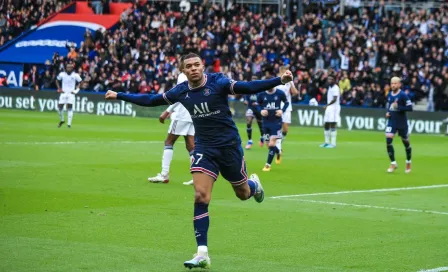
{"points": [[181, 78], [69, 81], [332, 93], [287, 90], [177, 110]]}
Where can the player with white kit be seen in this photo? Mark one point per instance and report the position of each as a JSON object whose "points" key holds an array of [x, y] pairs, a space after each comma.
{"points": [[290, 90], [181, 125], [70, 86], [332, 112]]}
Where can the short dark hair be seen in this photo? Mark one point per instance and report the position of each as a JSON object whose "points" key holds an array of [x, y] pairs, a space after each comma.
{"points": [[188, 56]]}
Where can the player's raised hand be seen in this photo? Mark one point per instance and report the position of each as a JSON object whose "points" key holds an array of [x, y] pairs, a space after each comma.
{"points": [[59, 90], [278, 113], [287, 77], [111, 95], [264, 113], [387, 115]]}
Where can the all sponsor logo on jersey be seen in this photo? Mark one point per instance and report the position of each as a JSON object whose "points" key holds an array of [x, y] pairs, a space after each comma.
{"points": [[202, 110], [270, 105]]}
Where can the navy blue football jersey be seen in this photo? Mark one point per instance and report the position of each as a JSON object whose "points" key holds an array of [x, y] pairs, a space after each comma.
{"points": [[252, 101], [398, 117], [209, 109], [272, 102]]}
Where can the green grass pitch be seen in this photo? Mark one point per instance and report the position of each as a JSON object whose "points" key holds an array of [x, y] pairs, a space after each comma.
{"points": [[78, 200]]}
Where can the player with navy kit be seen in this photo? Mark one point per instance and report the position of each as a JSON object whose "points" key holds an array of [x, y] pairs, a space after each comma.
{"points": [[270, 107], [217, 141], [251, 113], [398, 103]]}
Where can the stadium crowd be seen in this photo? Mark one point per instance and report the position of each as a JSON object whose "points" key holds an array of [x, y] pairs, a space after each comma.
{"points": [[17, 16], [363, 49]]}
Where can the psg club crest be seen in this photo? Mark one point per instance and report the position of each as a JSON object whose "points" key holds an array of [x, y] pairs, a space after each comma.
{"points": [[207, 92], [275, 98]]}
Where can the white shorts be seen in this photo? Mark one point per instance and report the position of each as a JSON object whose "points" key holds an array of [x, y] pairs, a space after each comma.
{"points": [[250, 113], [332, 114], [67, 98], [181, 128], [286, 117]]}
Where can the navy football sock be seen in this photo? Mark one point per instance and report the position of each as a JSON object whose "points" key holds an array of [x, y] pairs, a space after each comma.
{"points": [[390, 149], [408, 147], [272, 151], [249, 132], [260, 126], [252, 186], [201, 223]]}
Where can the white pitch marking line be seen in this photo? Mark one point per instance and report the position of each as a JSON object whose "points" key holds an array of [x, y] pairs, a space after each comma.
{"points": [[369, 206], [81, 142], [438, 269], [366, 191]]}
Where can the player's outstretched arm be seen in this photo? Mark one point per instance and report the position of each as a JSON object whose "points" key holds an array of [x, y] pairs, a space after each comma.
{"points": [[257, 86], [407, 105], [145, 100]]}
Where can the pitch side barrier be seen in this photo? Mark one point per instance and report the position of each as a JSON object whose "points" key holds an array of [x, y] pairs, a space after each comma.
{"points": [[303, 115]]}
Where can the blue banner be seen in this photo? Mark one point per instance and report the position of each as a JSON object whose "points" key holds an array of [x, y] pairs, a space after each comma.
{"points": [[40, 45], [13, 74]]}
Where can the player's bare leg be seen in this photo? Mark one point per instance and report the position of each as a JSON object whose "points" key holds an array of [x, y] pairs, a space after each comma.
{"points": [[61, 115], [273, 150], [69, 115], [391, 153], [285, 128], [189, 144], [163, 177], [203, 185], [249, 120], [278, 144], [408, 148], [327, 135]]}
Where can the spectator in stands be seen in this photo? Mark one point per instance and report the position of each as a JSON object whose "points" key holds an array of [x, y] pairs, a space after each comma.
{"points": [[34, 78], [48, 80], [97, 6], [185, 6], [72, 54], [3, 81], [18, 16], [344, 83]]}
